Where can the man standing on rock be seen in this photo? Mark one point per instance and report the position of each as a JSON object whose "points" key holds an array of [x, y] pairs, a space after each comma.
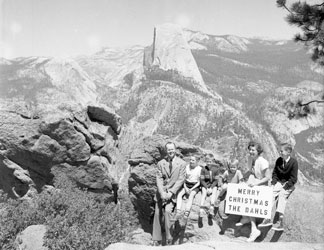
{"points": [[170, 176]]}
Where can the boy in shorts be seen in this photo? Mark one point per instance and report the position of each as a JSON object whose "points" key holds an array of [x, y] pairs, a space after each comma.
{"points": [[190, 187]]}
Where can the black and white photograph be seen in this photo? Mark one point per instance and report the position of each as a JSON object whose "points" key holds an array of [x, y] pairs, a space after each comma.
{"points": [[161, 124]]}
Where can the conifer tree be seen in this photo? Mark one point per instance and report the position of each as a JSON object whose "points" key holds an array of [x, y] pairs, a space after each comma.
{"points": [[310, 19]]}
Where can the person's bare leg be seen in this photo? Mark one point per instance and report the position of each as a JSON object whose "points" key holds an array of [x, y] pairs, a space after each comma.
{"points": [[190, 200]]}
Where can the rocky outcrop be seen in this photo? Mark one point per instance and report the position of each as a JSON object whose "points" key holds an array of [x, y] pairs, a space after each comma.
{"points": [[32, 238], [74, 144], [20, 180], [51, 128], [139, 237], [160, 107], [142, 183], [228, 245], [105, 115]]}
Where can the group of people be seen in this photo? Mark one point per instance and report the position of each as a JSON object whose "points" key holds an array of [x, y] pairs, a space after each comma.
{"points": [[175, 178]]}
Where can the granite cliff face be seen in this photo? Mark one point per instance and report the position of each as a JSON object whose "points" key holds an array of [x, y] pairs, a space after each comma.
{"points": [[171, 51]]}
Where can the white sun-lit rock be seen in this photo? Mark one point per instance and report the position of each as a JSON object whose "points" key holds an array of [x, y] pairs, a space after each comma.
{"points": [[67, 76], [172, 52], [111, 65]]}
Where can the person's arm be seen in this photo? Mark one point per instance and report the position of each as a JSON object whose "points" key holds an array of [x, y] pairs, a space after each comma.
{"points": [[275, 177], [221, 180], [195, 186], [224, 177], [215, 176], [159, 180], [265, 179], [240, 176], [293, 176], [202, 179], [185, 187]]}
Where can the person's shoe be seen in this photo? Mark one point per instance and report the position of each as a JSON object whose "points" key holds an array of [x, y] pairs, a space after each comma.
{"points": [[200, 222], [224, 216], [177, 216], [265, 223], [278, 226], [241, 222], [183, 221], [210, 219], [169, 242], [254, 235], [156, 243], [211, 211]]}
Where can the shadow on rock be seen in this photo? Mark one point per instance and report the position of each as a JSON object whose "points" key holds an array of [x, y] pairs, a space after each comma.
{"points": [[264, 232], [178, 232], [276, 236]]}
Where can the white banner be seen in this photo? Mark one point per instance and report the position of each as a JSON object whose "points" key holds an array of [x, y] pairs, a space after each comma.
{"points": [[250, 201]]}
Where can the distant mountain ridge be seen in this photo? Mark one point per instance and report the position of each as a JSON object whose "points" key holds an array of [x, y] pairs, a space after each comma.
{"points": [[258, 79], [213, 91]]}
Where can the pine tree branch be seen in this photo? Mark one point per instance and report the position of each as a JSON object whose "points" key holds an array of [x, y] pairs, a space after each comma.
{"points": [[287, 9], [319, 5], [307, 103], [298, 38], [311, 30]]}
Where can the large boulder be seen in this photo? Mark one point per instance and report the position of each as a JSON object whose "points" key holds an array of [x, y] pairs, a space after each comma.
{"points": [[67, 141], [32, 238], [142, 181], [106, 115], [50, 124], [222, 245], [12, 175]]}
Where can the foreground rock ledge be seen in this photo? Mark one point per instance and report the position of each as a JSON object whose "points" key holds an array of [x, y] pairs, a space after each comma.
{"points": [[222, 245]]}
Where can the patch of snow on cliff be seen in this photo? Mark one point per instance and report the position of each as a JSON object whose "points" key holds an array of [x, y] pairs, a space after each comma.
{"points": [[239, 42], [197, 46], [4, 61], [195, 36], [281, 42], [232, 61]]}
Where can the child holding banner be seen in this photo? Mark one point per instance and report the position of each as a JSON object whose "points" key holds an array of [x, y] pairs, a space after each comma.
{"points": [[231, 175], [190, 187], [260, 175], [209, 180], [284, 178]]}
